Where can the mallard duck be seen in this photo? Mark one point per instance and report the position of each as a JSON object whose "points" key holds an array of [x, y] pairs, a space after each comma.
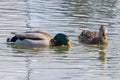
{"points": [[37, 38], [90, 37]]}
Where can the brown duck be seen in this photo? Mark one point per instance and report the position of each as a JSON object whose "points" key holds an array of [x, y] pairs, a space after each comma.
{"points": [[90, 37]]}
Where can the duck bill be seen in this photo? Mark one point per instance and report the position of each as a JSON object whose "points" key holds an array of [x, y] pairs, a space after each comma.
{"points": [[69, 45]]}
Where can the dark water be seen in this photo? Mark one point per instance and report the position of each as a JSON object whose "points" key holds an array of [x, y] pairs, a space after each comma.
{"points": [[81, 62]]}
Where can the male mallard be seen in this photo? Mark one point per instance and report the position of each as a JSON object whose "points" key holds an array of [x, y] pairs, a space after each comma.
{"points": [[90, 37], [37, 38]]}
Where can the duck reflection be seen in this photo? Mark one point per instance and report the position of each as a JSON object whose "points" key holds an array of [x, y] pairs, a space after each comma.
{"points": [[102, 53], [102, 56], [61, 49], [101, 49], [26, 49]]}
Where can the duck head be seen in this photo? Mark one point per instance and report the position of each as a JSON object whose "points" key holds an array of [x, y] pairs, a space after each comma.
{"points": [[103, 31], [61, 39], [102, 35]]}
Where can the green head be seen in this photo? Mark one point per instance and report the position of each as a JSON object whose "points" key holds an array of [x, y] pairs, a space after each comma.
{"points": [[61, 39]]}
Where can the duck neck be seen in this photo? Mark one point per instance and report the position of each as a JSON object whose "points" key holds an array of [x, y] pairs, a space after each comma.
{"points": [[103, 39]]}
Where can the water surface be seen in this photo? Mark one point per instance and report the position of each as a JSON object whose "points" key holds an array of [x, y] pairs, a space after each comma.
{"points": [[81, 62]]}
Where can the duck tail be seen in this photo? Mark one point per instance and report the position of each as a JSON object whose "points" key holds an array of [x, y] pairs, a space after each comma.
{"points": [[8, 40], [13, 39]]}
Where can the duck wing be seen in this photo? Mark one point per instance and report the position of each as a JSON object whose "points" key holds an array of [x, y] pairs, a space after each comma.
{"points": [[35, 35], [87, 36]]}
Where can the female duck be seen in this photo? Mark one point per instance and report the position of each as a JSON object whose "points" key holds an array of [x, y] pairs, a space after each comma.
{"points": [[90, 37], [37, 38]]}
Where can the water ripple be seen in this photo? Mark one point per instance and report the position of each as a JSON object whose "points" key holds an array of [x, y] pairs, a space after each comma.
{"points": [[82, 61]]}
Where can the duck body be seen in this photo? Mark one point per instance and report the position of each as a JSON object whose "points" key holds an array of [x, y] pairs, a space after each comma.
{"points": [[91, 37], [35, 39], [88, 36], [31, 39]]}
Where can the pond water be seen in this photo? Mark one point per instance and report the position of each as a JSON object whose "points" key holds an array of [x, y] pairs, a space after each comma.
{"points": [[81, 62]]}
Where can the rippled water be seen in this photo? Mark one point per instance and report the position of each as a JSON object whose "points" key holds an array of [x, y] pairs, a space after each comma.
{"points": [[81, 62]]}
